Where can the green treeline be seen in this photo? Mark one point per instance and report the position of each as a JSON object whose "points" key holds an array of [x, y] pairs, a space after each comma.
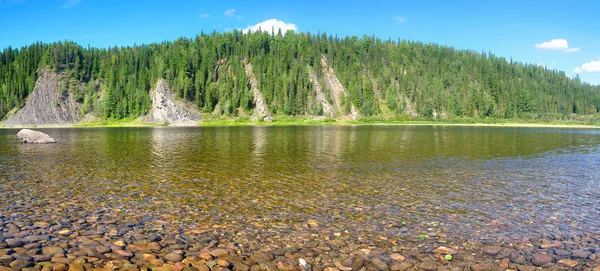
{"points": [[382, 77]]}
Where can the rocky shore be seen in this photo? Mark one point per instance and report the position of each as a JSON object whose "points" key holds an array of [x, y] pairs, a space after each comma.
{"points": [[70, 244]]}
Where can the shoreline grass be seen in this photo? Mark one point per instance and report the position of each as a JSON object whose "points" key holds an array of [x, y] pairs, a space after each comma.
{"points": [[307, 121]]}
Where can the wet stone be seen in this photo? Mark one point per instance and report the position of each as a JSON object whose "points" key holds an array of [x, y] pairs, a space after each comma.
{"points": [[541, 259], [400, 266], [60, 267], [428, 266], [124, 253], [76, 267], [103, 249], [484, 267], [12, 243], [52, 250], [567, 263], [311, 244], [6, 259], [526, 268], [581, 254], [219, 252], [561, 253], [20, 264], [267, 266], [174, 257], [240, 266], [379, 264], [491, 250]]}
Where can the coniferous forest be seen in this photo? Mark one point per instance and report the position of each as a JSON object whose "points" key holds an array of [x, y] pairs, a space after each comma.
{"points": [[381, 77]]}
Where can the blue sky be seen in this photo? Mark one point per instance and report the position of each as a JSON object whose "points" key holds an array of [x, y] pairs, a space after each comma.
{"points": [[562, 35]]}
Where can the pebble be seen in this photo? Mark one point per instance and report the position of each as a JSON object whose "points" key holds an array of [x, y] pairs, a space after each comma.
{"points": [[484, 267], [12, 243], [65, 232], [76, 267], [223, 263], [491, 250], [20, 264], [379, 264], [541, 259], [174, 257], [60, 267], [219, 252], [445, 250], [428, 266], [567, 263], [581, 254], [240, 266], [52, 250]]}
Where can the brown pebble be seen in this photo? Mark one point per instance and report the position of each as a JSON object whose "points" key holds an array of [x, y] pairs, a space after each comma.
{"points": [[567, 263], [397, 257], [60, 267], [223, 263], [429, 266], [483, 267], [379, 263], [219, 252], [491, 250], [206, 256], [541, 259]]}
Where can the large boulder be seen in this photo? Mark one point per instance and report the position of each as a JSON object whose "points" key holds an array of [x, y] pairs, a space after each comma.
{"points": [[31, 136]]}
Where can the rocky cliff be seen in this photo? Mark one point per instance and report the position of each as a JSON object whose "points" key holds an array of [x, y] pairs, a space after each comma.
{"points": [[261, 111], [50, 103], [167, 109]]}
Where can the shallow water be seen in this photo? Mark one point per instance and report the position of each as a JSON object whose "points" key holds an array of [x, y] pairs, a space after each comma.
{"points": [[373, 182]]}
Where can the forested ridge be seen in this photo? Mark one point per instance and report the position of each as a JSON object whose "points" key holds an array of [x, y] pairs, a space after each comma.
{"points": [[380, 77]]}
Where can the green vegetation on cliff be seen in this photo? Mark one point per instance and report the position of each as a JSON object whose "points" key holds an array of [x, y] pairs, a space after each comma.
{"points": [[382, 78]]}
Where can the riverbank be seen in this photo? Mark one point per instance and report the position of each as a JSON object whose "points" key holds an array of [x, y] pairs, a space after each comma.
{"points": [[303, 121]]}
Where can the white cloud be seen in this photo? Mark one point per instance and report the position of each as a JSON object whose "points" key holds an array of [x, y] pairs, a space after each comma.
{"points": [[556, 45], [203, 15], [592, 66], [400, 19], [272, 25], [229, 13]]}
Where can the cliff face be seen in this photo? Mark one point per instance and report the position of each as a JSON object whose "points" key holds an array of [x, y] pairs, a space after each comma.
{"points": [[167, 109], [50, 103], [261, 111]]}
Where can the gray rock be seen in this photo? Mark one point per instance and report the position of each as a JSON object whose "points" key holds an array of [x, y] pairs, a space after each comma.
{"points": [[51, 251], [14, 242], [31, 136]]}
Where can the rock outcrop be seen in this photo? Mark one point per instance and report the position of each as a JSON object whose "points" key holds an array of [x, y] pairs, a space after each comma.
{"points": [[31, 136], [338, 92], [50, 103], [167, 109], [327, 108], [261, 110]]}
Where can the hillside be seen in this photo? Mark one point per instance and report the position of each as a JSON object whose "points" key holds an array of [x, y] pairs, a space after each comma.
{"points": [[267, 76]]}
